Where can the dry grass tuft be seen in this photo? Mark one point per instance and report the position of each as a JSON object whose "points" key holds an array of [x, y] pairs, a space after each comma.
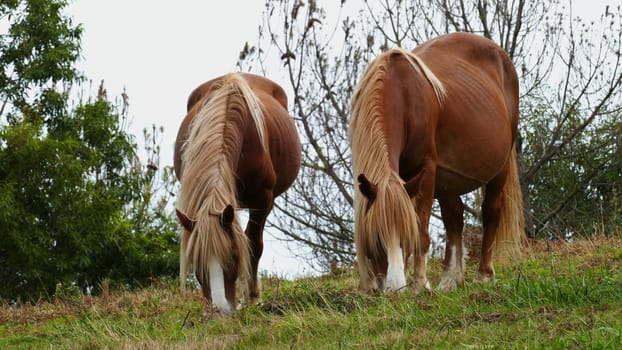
{"points": [[575, 247], [147, 302]]}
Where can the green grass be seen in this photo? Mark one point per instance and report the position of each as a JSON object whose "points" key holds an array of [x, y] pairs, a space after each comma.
{"points": [[564, 296]]}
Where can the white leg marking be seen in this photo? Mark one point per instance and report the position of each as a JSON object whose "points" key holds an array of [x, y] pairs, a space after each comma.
{"points": [[421, 280], [217, 286], [425, 270], [453, 276], [395, 271], [448, 280]]}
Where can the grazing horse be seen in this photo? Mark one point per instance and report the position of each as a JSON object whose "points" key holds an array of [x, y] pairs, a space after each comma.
{"points": [[437, 122], [236, 148]]}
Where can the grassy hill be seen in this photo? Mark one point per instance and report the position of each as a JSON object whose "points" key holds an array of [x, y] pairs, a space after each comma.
{"points": [[561, 296]]}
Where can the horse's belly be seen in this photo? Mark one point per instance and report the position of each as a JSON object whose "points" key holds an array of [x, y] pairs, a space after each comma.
{"points": [[449, 183], [472, 157], [468, 171]]}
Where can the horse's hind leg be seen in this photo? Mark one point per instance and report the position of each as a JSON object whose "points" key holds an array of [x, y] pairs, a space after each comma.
{"points": [[491, 211], [452, 211]]}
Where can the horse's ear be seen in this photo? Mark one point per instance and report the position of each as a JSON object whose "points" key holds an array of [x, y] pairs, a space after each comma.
{"points": [[412, 186], [226, 218], [185, 221], [368, 189]]}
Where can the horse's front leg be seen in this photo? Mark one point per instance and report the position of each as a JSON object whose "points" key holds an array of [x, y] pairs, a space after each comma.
{"points": [[423, 200], [254, 232]]}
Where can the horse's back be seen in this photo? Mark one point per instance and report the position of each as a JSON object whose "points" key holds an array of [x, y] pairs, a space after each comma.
{"points": [[473, 54], [477, 124], [257, 83]]}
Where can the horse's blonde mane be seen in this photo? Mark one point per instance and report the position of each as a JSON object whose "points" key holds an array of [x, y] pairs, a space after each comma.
{"points": [[418, 65], [208, 184], [392, 211]]}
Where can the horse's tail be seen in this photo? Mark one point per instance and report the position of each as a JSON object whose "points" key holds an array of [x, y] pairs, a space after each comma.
{"points": [[511, 231]]}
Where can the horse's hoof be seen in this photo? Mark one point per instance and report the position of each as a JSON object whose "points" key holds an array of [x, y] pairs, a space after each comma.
{"points": [[447, 285], [213, 313], [484, 278], [254, 301], [422, 286], [450, 282]]}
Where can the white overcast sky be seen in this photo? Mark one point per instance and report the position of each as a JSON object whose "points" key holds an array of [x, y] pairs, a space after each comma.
{"points": [[159, 50]]}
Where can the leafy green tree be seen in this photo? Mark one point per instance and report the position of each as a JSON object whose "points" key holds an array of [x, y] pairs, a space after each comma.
{"points": [[76, 204]]}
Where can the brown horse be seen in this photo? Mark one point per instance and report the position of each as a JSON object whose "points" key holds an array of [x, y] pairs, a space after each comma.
{"points": [[437, 122], [236, 148]]}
